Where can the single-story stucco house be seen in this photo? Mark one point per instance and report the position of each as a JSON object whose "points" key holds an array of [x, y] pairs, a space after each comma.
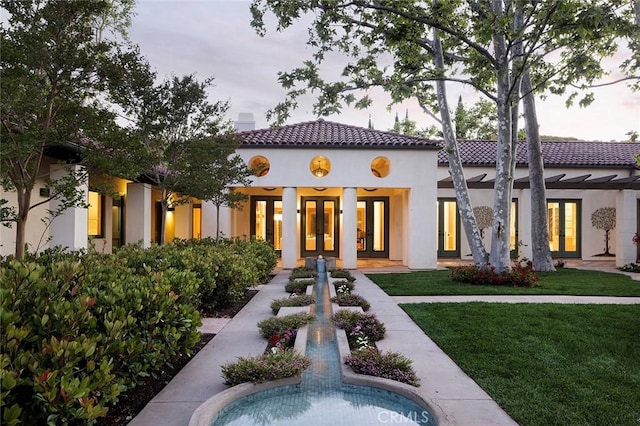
{"points": [[325, 188]]}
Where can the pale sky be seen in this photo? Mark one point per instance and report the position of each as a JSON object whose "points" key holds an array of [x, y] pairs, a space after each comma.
{"points": [[213, 38]]}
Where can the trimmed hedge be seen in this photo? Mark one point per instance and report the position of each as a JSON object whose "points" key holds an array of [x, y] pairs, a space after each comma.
{"points": [[78, 329], [274, 325], [300, 300]]}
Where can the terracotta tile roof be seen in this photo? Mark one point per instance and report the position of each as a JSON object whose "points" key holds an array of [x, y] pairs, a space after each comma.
{"points": [[321, 133], [561, 153]]}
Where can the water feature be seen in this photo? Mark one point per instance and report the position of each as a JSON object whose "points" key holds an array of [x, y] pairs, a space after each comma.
{"points": [[322, 398]]}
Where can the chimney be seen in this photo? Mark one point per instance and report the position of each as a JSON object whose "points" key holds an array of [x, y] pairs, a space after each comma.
{"points": [[245, 122]]}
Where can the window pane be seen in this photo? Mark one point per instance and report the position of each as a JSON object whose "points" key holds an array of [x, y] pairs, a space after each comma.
{"points": [[362, 225], [570, 227], [378, 226], [261, 220], [553, 216], [196, 219], [512, 220], [329, 215], [95, 214], [277, 225], [310, 225], [450, 212]]}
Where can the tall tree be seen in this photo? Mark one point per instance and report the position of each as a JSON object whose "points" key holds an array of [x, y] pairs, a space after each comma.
{"points": [[393, 45], [51, 80], [188, 143]]}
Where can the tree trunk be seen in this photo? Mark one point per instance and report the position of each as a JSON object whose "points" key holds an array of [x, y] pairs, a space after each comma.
{"points": [[217, 222], [500, 231], [465, 208], [24, 201], [541, 250]]}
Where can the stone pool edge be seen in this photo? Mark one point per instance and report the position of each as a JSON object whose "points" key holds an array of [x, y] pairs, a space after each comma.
{"points": [[206, 412], [408, 391]]}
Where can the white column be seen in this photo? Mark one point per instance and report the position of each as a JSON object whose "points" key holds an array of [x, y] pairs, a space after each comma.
{"points": [[138, 214], [422, 228], [289, 228], [182, 221], [70, 229], [209, 222], [626, 226], [349, 228]]}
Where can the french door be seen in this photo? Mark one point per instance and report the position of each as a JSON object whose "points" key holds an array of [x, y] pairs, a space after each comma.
{"points": [[319, 226], [448, 228], [564, 227], [373, 227], [266, 220]]}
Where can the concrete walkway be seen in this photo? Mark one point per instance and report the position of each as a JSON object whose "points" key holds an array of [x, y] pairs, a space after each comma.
{"points": [[457, 399]]}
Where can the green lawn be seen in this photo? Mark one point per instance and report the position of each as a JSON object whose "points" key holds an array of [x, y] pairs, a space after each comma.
{"points": [[545, 364], [567, 281]]}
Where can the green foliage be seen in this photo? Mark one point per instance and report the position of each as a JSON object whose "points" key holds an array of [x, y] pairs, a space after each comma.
{"points": [[567, 281], [78, 329], [189, 145], [519, 275], [54, 69], [277, 325], [78, 333], [356, 322], [344, 286], [224, 268], [302, 272], [630, 267], [298, 286], [389, 365], [343, 273], [300, 300], [351, 300], [274, 365]]}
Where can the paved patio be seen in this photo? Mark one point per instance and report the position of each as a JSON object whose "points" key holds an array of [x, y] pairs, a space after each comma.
{"points": [[456, 398]]}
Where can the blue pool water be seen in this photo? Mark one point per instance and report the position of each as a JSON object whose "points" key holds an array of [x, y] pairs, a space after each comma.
{"points": [[321, 398]]}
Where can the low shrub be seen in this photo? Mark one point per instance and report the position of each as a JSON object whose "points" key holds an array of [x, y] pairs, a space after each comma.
{"points": [[520, 275], [299, 300], [351, 300], [366, 323], [298, 286], [343, 287], [78, 333], [277, 364], [302, 272], [389, 365], [277, 325], [630, 267], [342, 273]]}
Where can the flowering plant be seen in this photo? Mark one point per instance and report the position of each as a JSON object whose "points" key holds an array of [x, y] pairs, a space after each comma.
{"points": [[343, 289]]}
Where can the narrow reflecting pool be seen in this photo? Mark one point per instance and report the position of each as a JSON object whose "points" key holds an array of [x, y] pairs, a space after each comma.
{"points": [[321, 398]]}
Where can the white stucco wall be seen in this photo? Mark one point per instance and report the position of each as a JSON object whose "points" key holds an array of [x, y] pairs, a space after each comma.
{"points": [[411, 171]]}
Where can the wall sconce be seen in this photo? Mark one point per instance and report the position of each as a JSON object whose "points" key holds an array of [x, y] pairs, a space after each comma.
{"points": [[44, 192]]}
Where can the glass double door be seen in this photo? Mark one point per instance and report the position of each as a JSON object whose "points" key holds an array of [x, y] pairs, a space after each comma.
{"points": [[564, 227], [266, 220], [319, 226], [372, 238]]}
